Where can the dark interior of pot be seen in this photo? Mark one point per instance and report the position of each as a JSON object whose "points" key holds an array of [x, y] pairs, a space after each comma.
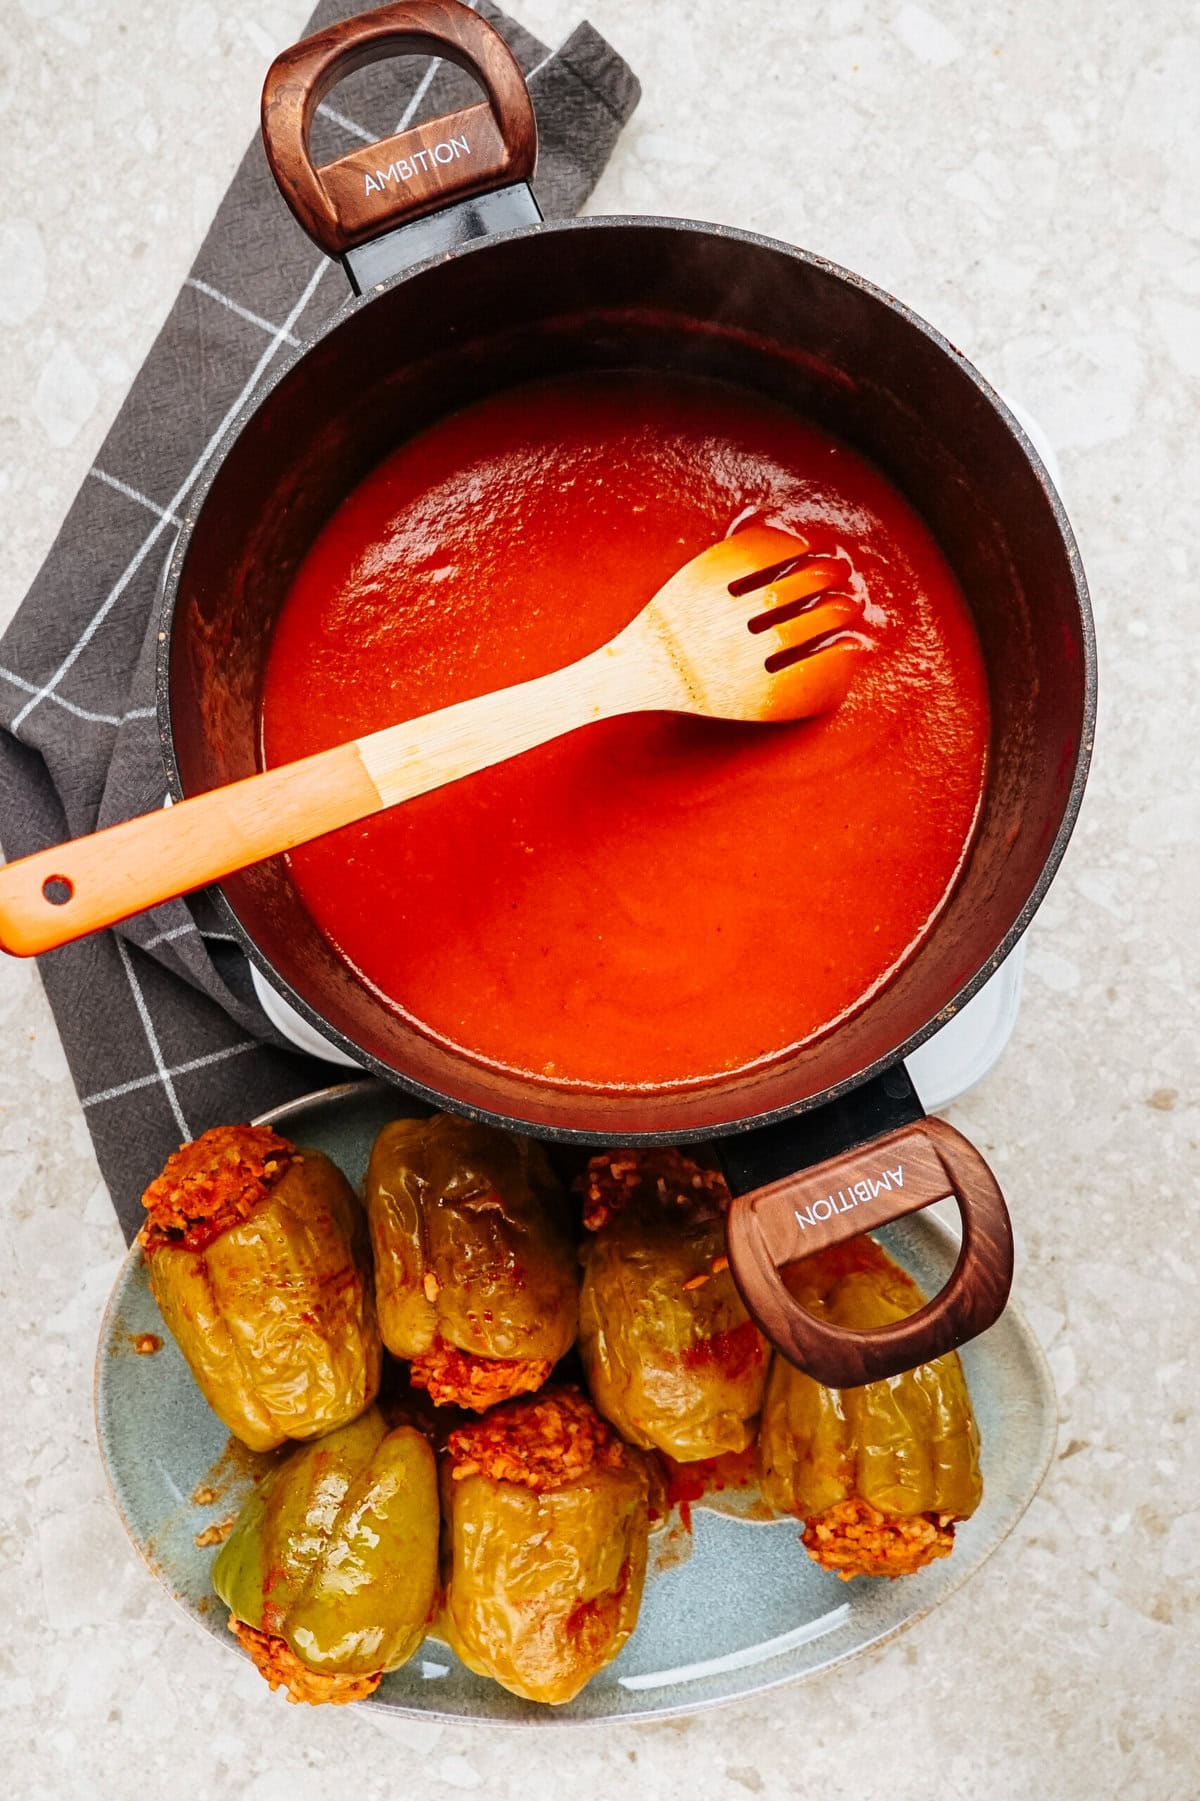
{"points": [[648, 294]]}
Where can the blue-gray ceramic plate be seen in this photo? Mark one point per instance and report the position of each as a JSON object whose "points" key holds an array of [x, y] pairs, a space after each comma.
{"points": [[731, 1609]]}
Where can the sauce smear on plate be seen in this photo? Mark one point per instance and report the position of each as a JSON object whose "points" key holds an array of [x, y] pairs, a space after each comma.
{"points": [[654, 899]]}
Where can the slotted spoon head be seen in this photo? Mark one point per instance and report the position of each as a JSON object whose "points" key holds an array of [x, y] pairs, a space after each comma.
{"points": [[757, 627]]}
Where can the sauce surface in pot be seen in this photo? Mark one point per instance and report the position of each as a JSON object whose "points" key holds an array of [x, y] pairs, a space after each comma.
{"points": [[652, 900]]}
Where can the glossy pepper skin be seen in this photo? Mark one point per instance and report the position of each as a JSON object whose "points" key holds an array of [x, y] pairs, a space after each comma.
{"points": [[476, 1281], [335, 1555], [879, 1473], [542, 1584], [672, 1358], [275, 1312]]}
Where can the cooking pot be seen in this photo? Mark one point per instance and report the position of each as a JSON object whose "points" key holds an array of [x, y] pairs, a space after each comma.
{"points": [[461, 290]]}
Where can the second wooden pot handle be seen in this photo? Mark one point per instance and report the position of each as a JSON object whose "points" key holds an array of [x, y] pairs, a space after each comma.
{"points": [[854, 1193], [372, 190]]}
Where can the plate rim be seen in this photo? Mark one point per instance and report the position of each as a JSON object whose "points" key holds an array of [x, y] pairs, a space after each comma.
{"points": [[551, 1717]]}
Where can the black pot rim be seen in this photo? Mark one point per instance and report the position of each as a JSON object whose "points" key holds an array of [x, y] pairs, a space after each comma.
{"points": [[741, 1123]]}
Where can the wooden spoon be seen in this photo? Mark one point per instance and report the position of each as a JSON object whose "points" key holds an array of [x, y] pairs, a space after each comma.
{"points": [[753, 628]]}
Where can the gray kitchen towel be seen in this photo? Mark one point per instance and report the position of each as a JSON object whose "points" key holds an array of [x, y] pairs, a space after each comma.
{"points": [[162, 1031]]}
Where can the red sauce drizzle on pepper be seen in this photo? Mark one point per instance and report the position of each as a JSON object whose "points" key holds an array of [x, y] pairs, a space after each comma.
{"points": [[736, 1351]]}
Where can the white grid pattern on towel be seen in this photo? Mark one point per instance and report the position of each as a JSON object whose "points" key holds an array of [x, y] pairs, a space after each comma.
{"points": [[423, 86], [168, 515], [166, 1076], [182, 931], [69, 706], [356, 131], [162, 1073], [243, 312], [184, 489], [279, 335], [144, 500]]}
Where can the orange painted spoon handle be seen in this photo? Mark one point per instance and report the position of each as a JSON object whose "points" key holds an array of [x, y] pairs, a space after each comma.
{"points": [[62, 893], [59, 895]]}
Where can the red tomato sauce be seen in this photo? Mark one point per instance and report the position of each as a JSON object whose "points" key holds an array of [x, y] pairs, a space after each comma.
{"points": [[654, 899]]}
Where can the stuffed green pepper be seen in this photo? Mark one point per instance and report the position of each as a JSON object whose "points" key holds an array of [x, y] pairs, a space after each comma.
{"points": [[672, 1358], [258, 1258], [330, 1573], [880, 1474], [476, 1281], [544, 1546]]}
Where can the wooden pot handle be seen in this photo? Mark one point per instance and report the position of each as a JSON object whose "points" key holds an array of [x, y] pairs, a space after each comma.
{"points": [[418, 171], [854, 1193]]}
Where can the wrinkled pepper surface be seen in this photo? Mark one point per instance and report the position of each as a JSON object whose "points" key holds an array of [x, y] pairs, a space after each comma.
{"points": [[879, 1473], [544, 1548], [671, 1355], [330, 1573], [258, 1259], [476, 1281]]}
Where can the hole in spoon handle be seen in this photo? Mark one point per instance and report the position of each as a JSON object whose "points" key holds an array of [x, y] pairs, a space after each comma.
{"points": [[60, 894]]}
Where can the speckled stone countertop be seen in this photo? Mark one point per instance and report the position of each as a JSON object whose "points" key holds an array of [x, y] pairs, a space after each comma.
{"points": [[1026, 177]]}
